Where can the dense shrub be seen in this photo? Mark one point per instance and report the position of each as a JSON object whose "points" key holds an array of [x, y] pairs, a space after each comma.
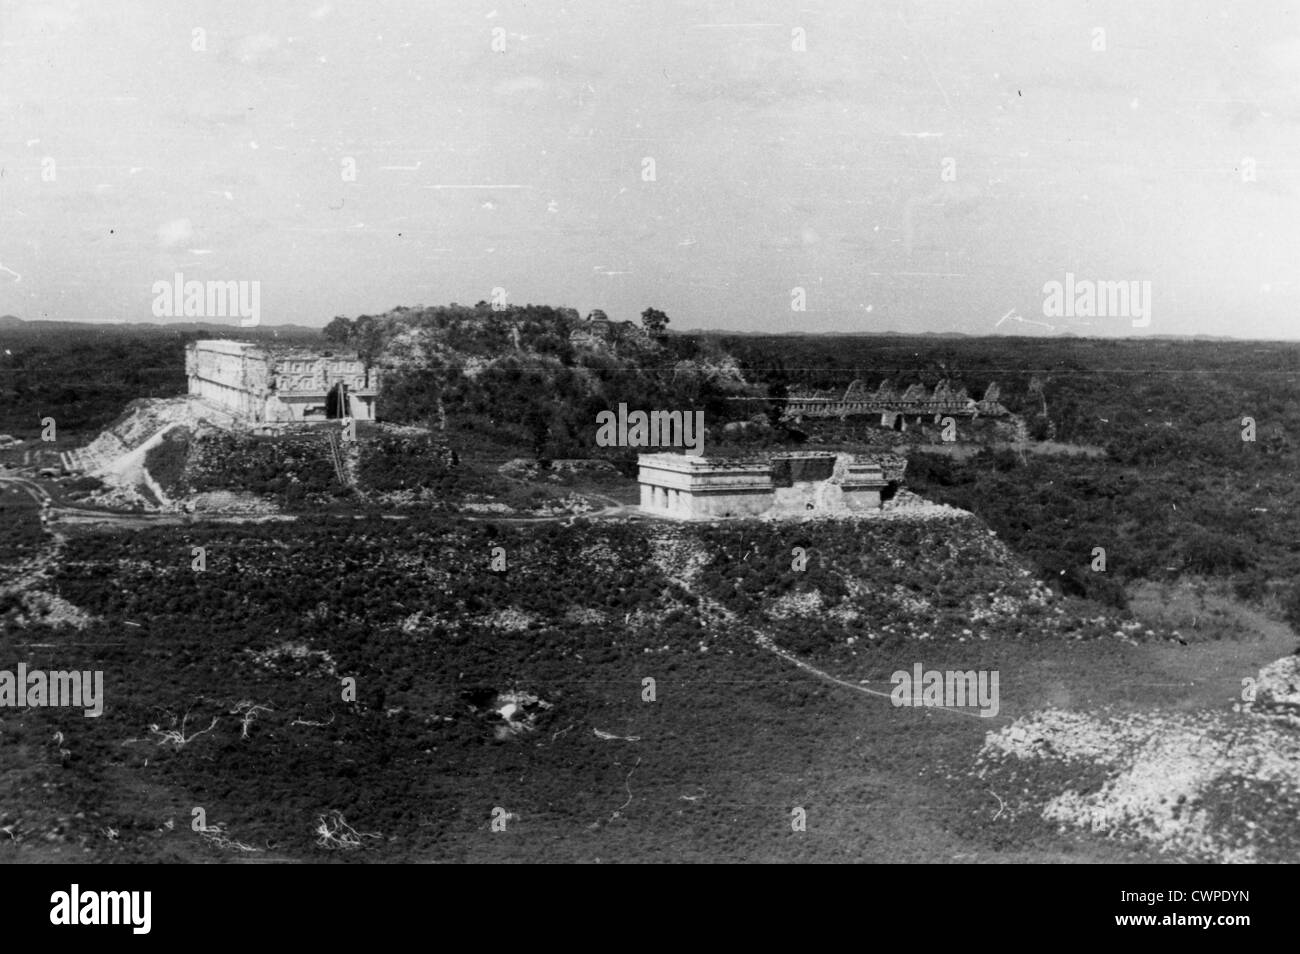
{"points": [[166, 460], [1213, 554]]}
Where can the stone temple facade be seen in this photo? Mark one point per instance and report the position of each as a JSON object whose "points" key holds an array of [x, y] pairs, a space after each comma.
{"points": [[799, 484], [266, 384]]}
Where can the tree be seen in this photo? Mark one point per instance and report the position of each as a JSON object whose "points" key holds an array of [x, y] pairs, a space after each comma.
{"points": [[537, 422], [368, 334], [339, 330], [778, 395], [655, 322]]}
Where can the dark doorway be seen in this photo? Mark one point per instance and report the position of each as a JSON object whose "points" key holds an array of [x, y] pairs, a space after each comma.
{"points": [[788, 468], [336, 402]]}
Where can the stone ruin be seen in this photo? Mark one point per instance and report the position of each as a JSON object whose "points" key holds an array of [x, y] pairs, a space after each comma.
{"points": [[799, 484], [898, 407], [269, 384]]}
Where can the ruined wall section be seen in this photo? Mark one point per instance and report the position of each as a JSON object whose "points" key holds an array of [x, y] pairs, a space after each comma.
{"points": [[850, 486]]}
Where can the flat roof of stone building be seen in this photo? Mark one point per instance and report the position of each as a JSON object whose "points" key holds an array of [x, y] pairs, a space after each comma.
{"points": [[691, 462], [270, 349], [222, 345], [667, 458]]}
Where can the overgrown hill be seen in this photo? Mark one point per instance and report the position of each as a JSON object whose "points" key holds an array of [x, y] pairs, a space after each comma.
{"points": [[534, 378]]}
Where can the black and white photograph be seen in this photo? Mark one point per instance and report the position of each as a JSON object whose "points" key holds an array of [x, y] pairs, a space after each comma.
{"points": [[677, 432]]}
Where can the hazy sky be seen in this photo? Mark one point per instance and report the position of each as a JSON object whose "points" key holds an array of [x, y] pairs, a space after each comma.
{"points": [[774, 167]]}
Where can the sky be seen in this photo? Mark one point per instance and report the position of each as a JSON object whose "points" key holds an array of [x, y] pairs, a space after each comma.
{"points": [[913, 166]]}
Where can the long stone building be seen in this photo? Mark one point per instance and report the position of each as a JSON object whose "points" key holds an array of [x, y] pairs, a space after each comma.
{"points": [[895, 406], [785, 485], [266, 384]]}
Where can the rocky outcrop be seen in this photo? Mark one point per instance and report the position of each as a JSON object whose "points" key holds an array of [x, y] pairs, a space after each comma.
{"points": [[1277, 691]]}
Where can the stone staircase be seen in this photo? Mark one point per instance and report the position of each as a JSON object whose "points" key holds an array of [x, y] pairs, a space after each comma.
{"points": [[142, 422], [345, 455]]}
